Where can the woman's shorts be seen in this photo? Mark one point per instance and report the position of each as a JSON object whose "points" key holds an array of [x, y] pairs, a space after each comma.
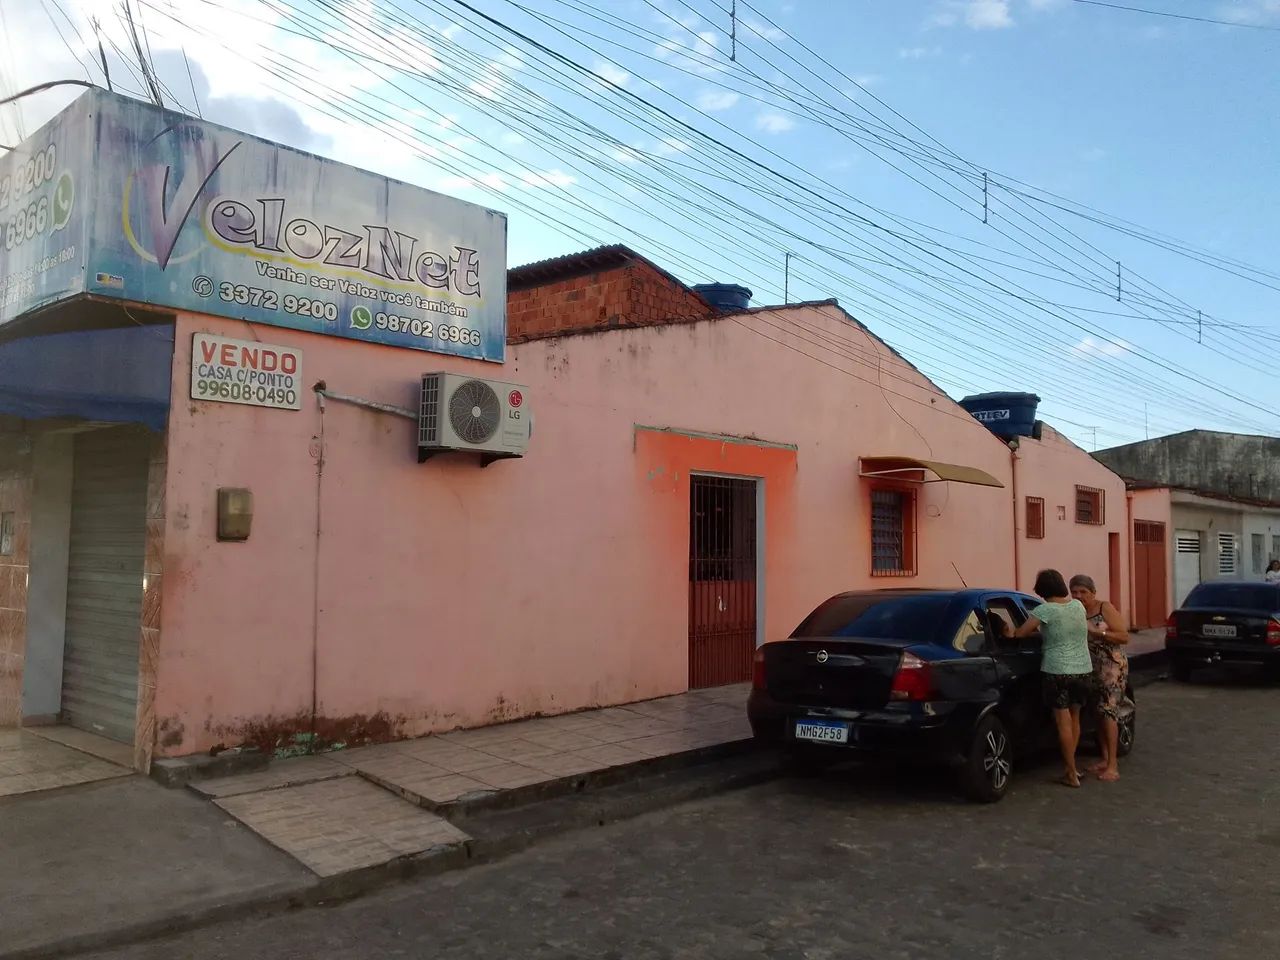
{"points": [[1065, 690]]}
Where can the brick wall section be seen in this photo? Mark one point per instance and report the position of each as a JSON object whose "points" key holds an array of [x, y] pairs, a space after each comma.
{"points": [[15, 498], [630, 295]]}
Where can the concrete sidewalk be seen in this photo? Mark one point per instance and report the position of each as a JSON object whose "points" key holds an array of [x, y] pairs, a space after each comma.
{"points": [[125, 858], [96, 863]]}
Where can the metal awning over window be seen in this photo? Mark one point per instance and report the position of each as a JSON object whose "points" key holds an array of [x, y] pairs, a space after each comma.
{"points": [[912, 470]]}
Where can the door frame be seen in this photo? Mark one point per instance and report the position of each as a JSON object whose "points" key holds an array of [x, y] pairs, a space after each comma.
{"points": [[759, 483]]}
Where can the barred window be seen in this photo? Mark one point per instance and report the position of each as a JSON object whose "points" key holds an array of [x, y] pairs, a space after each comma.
{"points": [[1089, 505], [893, 533]]}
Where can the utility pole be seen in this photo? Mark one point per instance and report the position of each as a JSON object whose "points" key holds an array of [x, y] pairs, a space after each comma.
{"points": [[1199, 327], [733, 31], [1117, 281], [984, 198], [786, 278]]}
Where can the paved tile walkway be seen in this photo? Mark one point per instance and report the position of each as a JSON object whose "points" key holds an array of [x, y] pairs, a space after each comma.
{"points": [[447, 768], [333, 814], [335, 826], [29, 762]]}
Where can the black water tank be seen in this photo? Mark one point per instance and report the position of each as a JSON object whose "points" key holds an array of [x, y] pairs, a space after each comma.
{"points": [[725, 297], [1004, 414]]}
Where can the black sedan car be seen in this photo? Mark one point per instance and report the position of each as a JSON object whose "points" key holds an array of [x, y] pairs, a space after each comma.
{"points": [[907, 675], [1226, 622]]}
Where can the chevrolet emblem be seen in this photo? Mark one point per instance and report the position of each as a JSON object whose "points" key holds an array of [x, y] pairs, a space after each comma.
{"points": [[822, 656]]}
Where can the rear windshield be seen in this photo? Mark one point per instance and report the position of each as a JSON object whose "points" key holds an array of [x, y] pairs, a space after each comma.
{"points": [[1236, 596], [876, 618]]}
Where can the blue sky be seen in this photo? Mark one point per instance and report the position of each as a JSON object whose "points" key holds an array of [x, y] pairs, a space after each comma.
{"points": [[1169, 124]]}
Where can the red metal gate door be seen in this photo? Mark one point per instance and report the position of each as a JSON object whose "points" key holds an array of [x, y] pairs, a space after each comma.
{"points": [[1150, 574], [722, 580]]}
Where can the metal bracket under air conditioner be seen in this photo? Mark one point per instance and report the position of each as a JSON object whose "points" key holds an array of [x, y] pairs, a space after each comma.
{"points": [[485, 458]]}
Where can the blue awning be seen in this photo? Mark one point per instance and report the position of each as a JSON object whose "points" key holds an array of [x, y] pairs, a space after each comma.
{"points": [[117, 375]]}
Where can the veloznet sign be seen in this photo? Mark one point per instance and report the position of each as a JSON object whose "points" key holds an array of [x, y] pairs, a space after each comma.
{"points": [[245, 372], [190, 215]]}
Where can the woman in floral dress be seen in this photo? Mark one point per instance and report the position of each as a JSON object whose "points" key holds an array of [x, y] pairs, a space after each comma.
{"points": [[1107, 636]]}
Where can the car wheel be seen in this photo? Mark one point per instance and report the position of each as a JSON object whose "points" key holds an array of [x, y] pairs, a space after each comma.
{"points": [[1127, 729], [1181, 672], [989, 764]]}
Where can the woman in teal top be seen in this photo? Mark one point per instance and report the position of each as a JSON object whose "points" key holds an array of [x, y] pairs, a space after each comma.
{"points": [[1064, 662]]}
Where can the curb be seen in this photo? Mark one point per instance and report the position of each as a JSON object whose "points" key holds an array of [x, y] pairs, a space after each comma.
{"points": [[492, 800]]}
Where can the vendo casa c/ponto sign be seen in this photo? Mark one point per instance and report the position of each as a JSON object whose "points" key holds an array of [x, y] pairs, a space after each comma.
{"points": [[246, 372]]}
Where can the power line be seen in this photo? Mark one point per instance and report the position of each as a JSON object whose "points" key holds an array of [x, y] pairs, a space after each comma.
{"points": [[434, 80], [1179, 16]]}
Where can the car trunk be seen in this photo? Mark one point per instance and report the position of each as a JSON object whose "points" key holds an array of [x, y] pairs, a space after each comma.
{"points": [[852, 674], [1228, 625]]}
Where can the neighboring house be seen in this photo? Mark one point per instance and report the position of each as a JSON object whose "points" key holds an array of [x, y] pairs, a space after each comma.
{"points": [[1221, 493], [1236, 465]]}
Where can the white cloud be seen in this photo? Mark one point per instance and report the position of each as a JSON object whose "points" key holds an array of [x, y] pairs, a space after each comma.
{"points": [[628, 155], [1089, 347], [772, 122], [611, 73], [502, 182], [1255, 12], [918, 53], [511, 138], [456, 184], [988, 15], [670, 146], [551, 178], [764, 31], [1093, 154], [716, 100], [977, 14], [699, 51]]}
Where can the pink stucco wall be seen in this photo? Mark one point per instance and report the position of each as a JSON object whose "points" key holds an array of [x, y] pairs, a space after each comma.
{"points": [[1051, 468], [444, 595]]}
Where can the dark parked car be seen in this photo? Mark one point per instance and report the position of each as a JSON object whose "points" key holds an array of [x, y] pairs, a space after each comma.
{"points": [[1226, 622], [907, 675]]}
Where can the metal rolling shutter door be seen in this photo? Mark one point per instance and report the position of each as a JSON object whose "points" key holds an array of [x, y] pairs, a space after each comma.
{"points": [[104, 582]]}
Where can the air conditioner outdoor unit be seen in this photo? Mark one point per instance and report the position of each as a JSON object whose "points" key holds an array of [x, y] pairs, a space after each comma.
{"points": [[465, 413]]}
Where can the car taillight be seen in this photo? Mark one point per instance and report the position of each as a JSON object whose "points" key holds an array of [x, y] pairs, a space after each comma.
{"points": [[757, 671], [1171, 628], [913, 681], [1273, 632]]}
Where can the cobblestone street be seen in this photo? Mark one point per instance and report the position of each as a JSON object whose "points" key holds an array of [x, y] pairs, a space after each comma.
{"points": [[1176, 861]]}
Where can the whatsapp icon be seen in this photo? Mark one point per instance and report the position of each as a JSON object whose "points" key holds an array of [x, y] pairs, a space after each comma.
{"points": [[64, 197], [361, 318]]}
